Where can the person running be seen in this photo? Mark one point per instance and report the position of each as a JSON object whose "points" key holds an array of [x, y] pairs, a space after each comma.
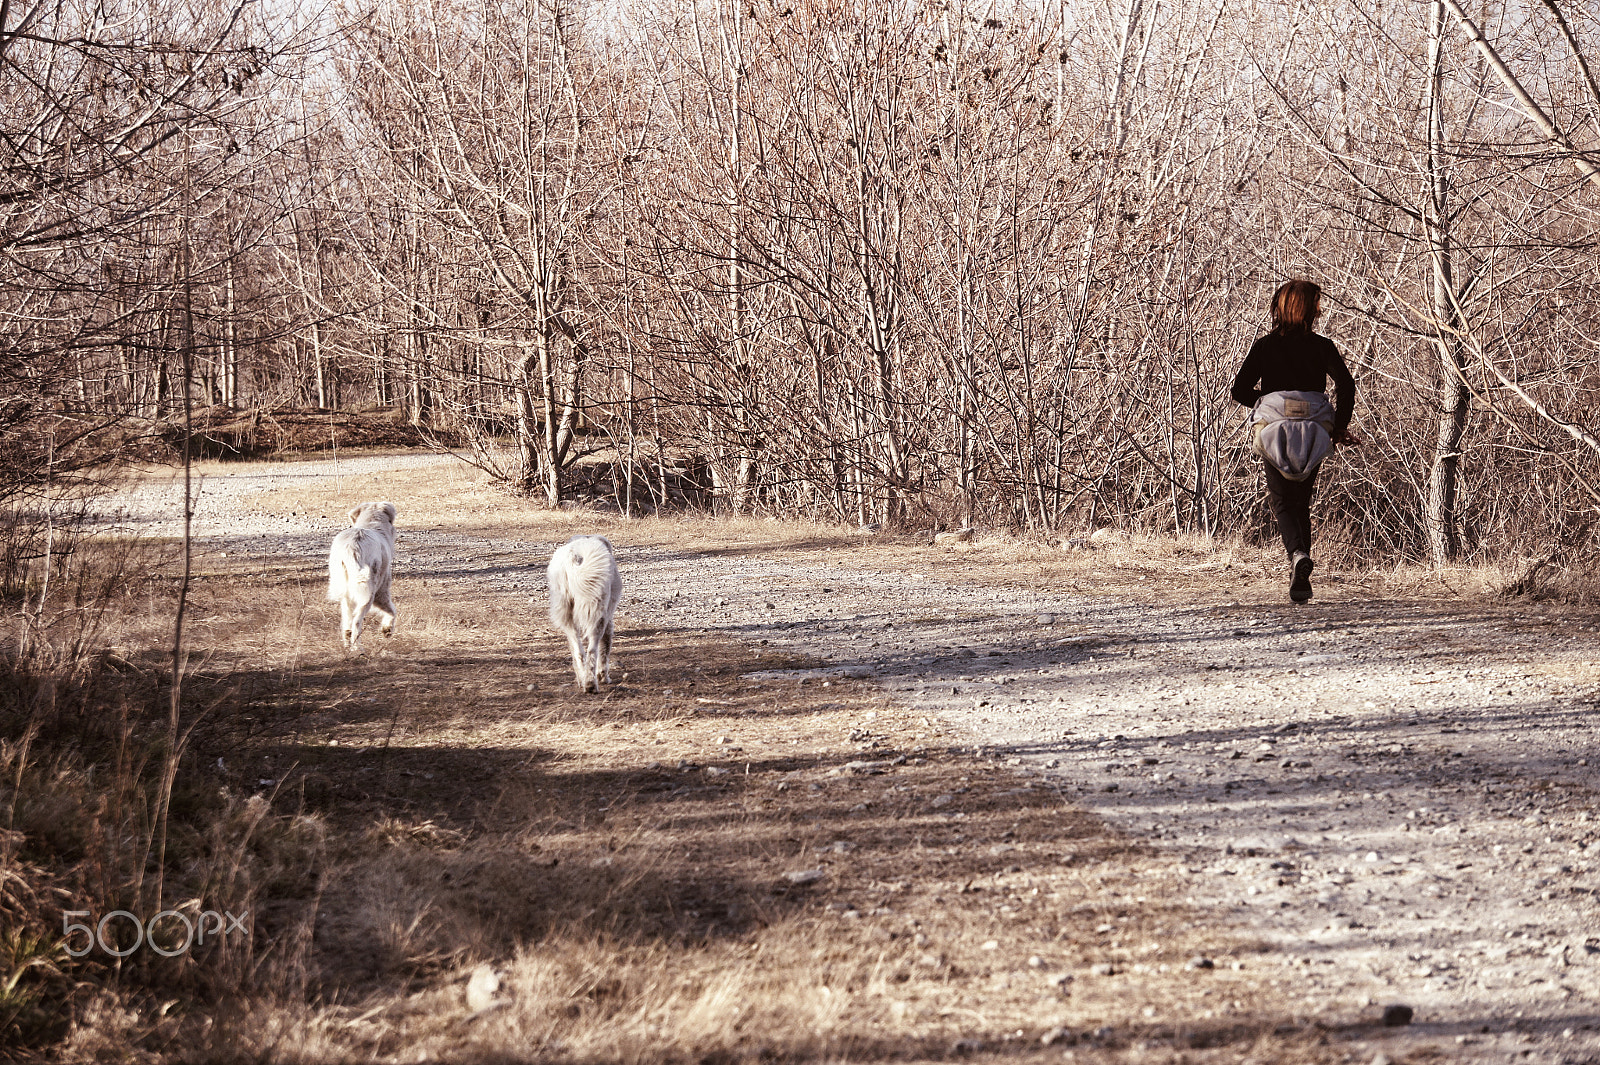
{"points": [[1293, 359]]}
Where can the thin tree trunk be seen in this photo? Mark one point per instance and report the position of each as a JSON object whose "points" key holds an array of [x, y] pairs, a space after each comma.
{"points": [[527, 423], [1444, 533], [230, 335], [547, 377], [745, 469]]}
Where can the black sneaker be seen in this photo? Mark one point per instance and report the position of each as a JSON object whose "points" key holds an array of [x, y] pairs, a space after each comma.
{"points": [[1300, 586]]}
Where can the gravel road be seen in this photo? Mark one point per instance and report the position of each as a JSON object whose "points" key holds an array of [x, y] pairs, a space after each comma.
{"points": [[1398, 796]]}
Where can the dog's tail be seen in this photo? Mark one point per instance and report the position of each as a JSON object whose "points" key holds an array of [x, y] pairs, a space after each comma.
{"points": [[582, 579], [591, 575], [347, 573]]}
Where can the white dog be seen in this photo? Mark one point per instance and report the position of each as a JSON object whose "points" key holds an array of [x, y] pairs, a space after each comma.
{"points": [[360, 569], [584, 590]]}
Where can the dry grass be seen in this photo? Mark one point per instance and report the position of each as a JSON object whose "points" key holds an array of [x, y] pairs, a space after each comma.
{"points": [[82, 746]]}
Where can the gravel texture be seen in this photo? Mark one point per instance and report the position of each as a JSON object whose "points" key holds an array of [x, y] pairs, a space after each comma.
{"points": [[1396, 797]]}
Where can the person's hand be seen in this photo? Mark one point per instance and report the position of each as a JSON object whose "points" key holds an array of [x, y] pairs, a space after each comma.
{"points": [[1345, 436]]}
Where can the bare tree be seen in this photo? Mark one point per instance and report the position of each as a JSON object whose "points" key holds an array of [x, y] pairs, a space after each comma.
{"points": [[481, 111], [106, 118]]}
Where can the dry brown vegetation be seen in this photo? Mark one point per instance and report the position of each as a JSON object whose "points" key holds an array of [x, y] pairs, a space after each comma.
{"points": [[224, 432], [394, 822]]}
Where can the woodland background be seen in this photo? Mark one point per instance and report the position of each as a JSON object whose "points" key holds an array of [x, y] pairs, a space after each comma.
{"points": [[900, 262]]}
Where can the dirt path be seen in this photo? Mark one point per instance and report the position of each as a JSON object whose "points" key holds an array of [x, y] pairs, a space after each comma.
{"points": [[1399, 795]]}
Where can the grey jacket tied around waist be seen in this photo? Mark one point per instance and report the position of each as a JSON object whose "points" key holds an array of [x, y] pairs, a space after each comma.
{"points": [[1292, 431]]}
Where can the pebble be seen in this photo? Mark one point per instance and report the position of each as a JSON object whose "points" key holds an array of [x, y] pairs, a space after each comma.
{"points": [[1104, 968], [1397, 1016], [482, 987], [802, 877], [1201, 962]]}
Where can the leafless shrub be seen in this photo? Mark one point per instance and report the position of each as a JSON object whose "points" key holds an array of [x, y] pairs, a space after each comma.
{"points": [[1569, 574]]}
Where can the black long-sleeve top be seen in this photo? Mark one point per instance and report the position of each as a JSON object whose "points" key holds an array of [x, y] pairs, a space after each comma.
{"points": [[1296, 362]]}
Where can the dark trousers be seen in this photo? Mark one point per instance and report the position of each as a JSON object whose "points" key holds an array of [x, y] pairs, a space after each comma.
{"points": [[1291, 505]]}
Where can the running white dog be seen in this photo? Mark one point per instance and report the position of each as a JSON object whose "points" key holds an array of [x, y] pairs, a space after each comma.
{"points": [[584, 590], [360, 569]]}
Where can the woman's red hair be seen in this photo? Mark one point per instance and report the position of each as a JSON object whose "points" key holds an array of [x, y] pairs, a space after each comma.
{"points": [[1295, 306]]}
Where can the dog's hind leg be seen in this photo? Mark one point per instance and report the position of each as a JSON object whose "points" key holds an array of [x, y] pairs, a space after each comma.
{"points": [[385, 605], [605, 649], [591, 654], [359, 617], [578, 665], [344, 619]]}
